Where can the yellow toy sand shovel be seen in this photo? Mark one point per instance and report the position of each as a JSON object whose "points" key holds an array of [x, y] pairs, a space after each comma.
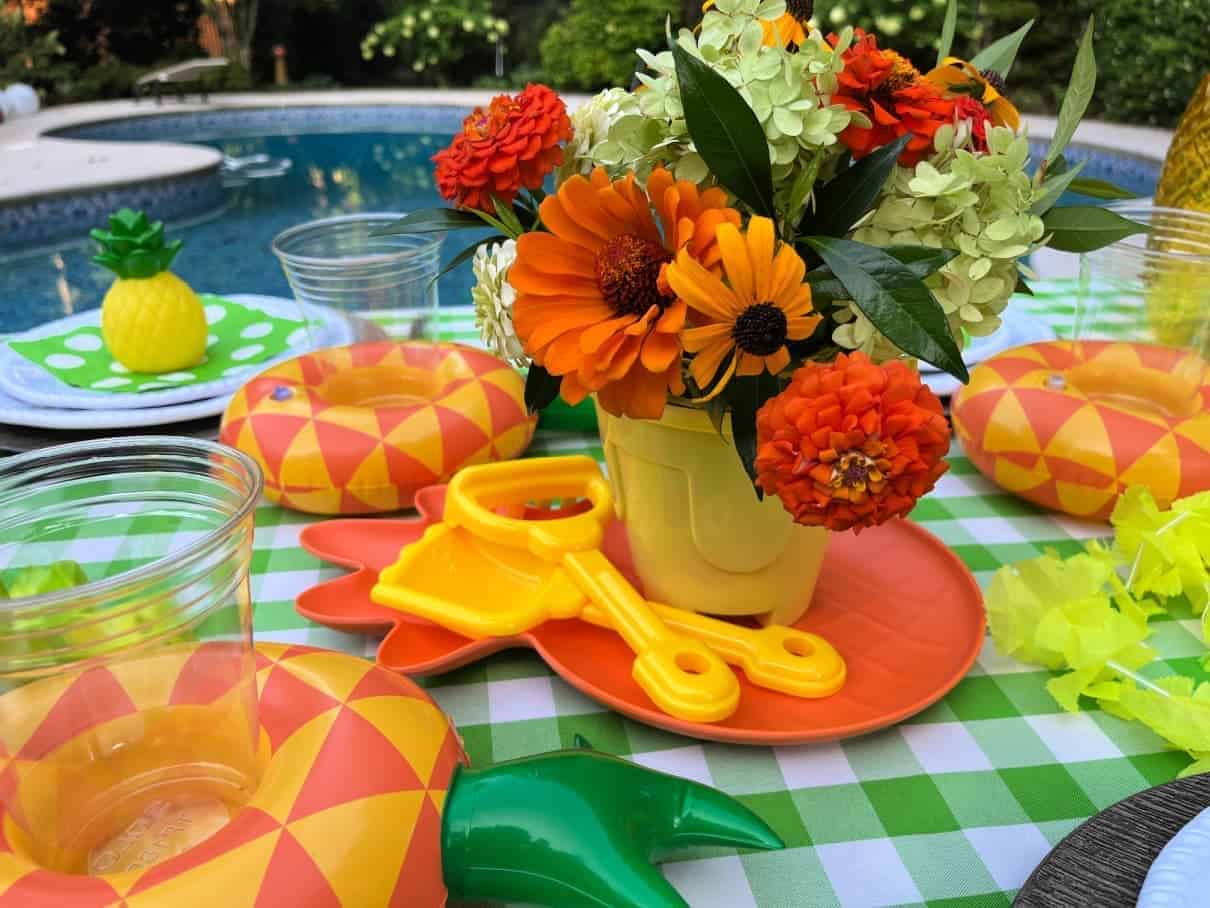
{"points": [[483, 574]]}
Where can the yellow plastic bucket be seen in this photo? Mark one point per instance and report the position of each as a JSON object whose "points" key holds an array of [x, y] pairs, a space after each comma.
{"points": [[700, 538]]}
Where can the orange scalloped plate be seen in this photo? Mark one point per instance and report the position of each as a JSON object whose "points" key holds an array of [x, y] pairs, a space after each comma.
{"points": [[900, 607]]}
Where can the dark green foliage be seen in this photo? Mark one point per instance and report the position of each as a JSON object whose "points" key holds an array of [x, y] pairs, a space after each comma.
{"points": [[593, 46], [140, 33], [1152, 54], [34, 57]]}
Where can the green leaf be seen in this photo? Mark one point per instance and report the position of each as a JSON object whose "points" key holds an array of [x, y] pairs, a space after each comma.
{"points": [[747, 394], [1100, 189], [507, 217], [947, 31], [895, 301], [1053, 188], [725, 132], [801, 190], [465, 255], [1079, 93], [541, 388], [999, 55], [432, 220], [920, 260], [1083, 228], [845, 198]]}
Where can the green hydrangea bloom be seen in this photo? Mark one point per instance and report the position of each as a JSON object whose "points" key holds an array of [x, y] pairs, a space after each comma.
{"points": [[977, 204], [789, 92]]}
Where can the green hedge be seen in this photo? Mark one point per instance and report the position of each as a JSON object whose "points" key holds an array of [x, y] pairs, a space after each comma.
{"points": [[593, 45]]}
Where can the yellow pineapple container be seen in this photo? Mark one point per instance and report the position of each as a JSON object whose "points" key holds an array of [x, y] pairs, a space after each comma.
{"points": [[700, 538]]}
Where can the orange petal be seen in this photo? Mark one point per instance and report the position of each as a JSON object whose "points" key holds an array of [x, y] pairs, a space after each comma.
{"points": [[571, 390], [538, 328], [555, 255], [737, 264], [563, 355], [659, 351], [696, 339], [760, 239], [777, 361], [528, 279], [592, 338], [672, 320], [801, 328], [798, 302], [704, 366], [561, 224], [701, 290], [787, 273], [581, 199], [750, 365]]}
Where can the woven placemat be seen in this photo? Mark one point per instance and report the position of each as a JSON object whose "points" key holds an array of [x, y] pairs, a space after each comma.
{"points": [[1104, 862]]}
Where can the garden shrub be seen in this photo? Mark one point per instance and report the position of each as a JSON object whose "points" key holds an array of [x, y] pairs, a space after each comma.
{"points": [[593, 45], [1152, 54], [28, 56]]}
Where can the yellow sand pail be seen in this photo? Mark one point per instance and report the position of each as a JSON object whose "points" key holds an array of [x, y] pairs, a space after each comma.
{"points": [[700, 538]]}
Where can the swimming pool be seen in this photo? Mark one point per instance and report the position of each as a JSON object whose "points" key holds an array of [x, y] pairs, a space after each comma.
{"points": [[227, 251], [343, 160]]}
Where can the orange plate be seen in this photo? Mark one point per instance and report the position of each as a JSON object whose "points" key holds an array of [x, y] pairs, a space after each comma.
{"points": [[900, 607]]}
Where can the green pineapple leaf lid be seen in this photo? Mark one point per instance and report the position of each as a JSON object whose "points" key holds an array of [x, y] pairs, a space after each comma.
{"points": [[133, 247]]}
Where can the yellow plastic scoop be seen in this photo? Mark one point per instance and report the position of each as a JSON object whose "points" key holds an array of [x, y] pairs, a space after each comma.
{"points": [[485, 575]]}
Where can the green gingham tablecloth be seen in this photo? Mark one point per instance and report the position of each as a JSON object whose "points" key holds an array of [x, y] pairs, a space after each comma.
{"points": [[953, 807]]}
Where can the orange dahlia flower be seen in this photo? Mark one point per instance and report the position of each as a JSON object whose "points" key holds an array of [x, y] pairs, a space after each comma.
{"points": [[510, 146], [890, 92], [851, 444], [592, 303], [757, 304]]}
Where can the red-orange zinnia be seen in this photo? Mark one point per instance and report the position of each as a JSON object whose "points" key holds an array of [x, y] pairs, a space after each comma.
{"points": [[510, 146], [893, 96], [851, 444], [592, 303]]}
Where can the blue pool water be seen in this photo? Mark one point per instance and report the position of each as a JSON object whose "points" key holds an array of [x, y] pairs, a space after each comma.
{"points": [[344, 160], [229, 251]]}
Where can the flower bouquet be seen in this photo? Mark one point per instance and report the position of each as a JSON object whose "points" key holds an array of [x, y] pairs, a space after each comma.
{"points": [[757, 242]]}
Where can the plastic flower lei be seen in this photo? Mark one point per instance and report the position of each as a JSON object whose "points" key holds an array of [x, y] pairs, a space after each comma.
{"points": [[771, 227], [1088, 616]]}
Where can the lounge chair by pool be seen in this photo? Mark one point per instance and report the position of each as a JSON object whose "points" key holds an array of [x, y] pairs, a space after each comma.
{"points": [[177, 77]]}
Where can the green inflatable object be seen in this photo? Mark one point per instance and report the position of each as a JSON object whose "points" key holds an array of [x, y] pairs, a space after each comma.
{"points": [[579, 829]]}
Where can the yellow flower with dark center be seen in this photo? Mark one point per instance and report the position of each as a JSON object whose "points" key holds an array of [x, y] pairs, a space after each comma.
{"points": [[958, 77], [753, 309]]}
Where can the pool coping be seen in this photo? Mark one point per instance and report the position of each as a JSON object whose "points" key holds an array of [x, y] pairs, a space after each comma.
{"points": [[64, 166]]}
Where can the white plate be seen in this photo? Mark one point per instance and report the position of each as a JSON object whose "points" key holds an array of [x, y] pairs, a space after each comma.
{"points": [[1180, 875], [1020, 328], [27, 383]]}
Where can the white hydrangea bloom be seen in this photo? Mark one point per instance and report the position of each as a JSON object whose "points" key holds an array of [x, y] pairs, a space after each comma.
{"points": [[591, 125], [976, 204], [494, 296]]}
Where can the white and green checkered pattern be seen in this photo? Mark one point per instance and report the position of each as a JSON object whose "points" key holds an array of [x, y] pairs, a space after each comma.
{"points": [[953, 807]]}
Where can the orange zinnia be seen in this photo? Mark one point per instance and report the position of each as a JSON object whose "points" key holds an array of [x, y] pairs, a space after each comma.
{"points": [[851, 444], [762, 304], [890, 92], [959, 78], [511, 146], [592, 303]]}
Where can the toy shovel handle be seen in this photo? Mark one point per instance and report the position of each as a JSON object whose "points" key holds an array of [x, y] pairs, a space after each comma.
{"points": [[475, 493], [681, 675]]}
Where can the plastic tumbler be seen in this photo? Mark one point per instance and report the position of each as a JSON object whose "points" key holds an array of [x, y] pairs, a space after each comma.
{"points": [[128, 719]]}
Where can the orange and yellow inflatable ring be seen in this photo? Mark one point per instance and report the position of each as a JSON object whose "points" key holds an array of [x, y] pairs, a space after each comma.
{"points": [[1070, 427], [348, 811], [360, 429]]}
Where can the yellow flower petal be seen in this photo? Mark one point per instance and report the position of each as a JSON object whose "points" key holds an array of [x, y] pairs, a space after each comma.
{"points": [[777, 361], [700, 289], [760, 253], [696, 339], [787, 273], [736, 263]]}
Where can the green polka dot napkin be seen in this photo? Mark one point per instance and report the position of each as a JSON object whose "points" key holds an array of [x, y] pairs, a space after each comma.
{"points": [[239, 338]]}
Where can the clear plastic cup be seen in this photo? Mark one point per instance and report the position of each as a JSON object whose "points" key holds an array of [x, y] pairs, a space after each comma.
{"points": [[128, 707], [1142, 330], [342, 263]]}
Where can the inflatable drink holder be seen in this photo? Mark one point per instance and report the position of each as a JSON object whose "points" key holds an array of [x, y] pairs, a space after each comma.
{"points": [[1125, 400]]}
